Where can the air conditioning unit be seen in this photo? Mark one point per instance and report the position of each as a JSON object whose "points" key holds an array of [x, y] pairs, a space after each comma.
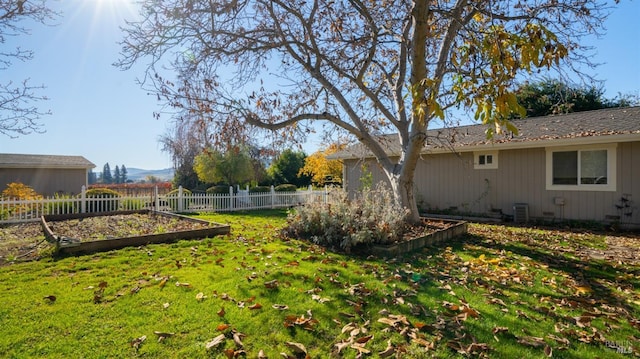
{"points": [[521, 212]]}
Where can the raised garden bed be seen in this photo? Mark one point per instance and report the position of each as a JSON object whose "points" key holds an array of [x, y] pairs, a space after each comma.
{"points": [[442, 230], [93, 232]]}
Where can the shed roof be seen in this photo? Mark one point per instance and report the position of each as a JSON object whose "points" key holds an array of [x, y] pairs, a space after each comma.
{"points": [[13, 160], [598, 126]]}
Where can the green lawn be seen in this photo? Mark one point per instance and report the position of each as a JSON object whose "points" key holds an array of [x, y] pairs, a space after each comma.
{"points": [[499, 292]]}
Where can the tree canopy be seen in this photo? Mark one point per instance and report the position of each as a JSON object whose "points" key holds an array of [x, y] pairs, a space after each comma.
{"points": [[321, 169], [552, 96], [231, 167], [19, 112], [363, 67], [285, 169]]}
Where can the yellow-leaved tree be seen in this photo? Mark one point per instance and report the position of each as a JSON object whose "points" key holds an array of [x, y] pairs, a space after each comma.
{"points": [[321, 169], [17, 190]]}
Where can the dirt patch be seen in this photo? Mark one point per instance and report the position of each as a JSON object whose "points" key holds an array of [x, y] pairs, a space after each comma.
{"points": [[121, 226], [22, 242], [26, 241]]}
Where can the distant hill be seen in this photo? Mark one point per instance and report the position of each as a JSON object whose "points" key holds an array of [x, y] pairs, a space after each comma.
{"points": [[137, 174]]}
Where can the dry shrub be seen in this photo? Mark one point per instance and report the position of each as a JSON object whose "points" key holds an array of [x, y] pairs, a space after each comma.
{"points": [[373, 217]]}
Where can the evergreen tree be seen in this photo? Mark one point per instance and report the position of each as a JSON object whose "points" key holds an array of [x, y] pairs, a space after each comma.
{"points": [[123, 174], [285, 169], [116, 175], [106, 174]]}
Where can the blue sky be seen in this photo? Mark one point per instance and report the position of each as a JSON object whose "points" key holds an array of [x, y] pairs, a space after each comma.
{"points": [[99, 111]]}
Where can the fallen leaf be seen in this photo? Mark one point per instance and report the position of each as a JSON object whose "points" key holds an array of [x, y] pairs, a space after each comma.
{"points": [[237, 338], [363, 340], [200, 296], [548, 351], [220, 312], [137, 342], [215, 341], [163, 335], [389, 351], [280, 306], [583, 289], [497, 330], [296, 347], [255, 306], [165, 305], [272, 284], [50, 298], [222, 327], [102, 284]]}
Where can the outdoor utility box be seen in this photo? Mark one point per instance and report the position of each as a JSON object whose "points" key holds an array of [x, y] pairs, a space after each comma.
{"points": [[521, 212]]}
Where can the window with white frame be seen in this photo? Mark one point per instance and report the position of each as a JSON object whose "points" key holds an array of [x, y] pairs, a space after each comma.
{"points": [[590, 168], [485, 160]]}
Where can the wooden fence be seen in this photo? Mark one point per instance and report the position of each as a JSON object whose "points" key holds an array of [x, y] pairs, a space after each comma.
{"points": [[15, 210]]}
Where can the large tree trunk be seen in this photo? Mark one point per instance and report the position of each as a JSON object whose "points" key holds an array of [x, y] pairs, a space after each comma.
{"points": [[403, 189]]}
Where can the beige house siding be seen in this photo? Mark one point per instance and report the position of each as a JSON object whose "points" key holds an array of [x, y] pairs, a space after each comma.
{"points": [[46, 181], [449, 181]]}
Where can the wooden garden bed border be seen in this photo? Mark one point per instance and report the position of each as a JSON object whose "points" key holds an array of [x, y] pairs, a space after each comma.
{"points": [[70, 246]]}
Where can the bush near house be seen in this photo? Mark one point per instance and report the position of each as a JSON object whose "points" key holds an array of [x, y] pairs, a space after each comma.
{"points": [[373, 218], [260, 189]]}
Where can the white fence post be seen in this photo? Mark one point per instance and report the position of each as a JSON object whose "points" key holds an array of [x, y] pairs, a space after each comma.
{"points": [[180, 203], [157, 198], [231, 197], [83, 199], [273, 197]]}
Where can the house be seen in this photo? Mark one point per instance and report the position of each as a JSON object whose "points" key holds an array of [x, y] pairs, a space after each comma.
{"points": [[578, 166], [46, 174]]}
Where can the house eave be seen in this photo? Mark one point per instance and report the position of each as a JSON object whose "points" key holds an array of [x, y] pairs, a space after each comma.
{"points": [[512, 145], [547, 142]]}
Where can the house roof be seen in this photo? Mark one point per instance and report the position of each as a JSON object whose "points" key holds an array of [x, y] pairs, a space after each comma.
{"points": [[12, 160], [619, 124]]}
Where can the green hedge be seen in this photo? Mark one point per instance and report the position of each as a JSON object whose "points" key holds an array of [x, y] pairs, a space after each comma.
{"points": [[260, 189], [221, 189], [286, 188]]}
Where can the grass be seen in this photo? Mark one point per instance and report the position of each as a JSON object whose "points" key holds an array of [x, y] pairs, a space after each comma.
{"points": [[500, 292]]}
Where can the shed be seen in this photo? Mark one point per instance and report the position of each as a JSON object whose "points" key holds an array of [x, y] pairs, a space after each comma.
{"points": [[46, 174]]}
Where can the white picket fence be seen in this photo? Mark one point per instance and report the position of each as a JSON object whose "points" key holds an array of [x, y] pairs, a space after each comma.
{"points": [[14, 210]]}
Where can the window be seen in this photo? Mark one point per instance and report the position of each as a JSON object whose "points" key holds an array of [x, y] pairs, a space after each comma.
{"points": [[585, 169], [485, 160]]}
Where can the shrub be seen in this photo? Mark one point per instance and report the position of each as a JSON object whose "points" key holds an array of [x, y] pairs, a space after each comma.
{"points": [[260, 189], [17, 190], [220, 189], [102, 200], [286, 188], [172, 199], [372, 218]]}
